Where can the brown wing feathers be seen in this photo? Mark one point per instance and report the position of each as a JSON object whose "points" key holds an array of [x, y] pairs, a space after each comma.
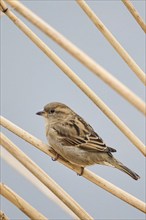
{"points": [[81, 135]]}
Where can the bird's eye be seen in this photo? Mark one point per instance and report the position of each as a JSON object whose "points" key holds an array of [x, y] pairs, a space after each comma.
{"points": [[52, 111]]}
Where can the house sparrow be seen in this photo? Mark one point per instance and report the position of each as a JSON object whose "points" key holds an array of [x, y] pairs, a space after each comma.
{"points": [[76, 141]]}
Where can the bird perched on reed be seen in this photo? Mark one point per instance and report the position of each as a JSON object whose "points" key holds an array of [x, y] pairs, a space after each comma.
{"points": [[76, 141]]}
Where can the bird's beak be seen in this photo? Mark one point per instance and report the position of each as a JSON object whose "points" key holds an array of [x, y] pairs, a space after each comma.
{"points": [[41, 113]]}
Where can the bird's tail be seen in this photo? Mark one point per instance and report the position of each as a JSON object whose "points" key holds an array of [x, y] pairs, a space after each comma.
{"points": [[117, 164]]}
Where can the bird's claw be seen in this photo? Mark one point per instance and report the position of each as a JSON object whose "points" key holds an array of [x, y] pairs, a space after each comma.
{"points": [[82, 171], [56, 157]]}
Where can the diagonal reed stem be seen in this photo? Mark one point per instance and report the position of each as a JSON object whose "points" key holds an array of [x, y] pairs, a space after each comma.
{"points": [[135, 14], [24, 206], [3, 216]]}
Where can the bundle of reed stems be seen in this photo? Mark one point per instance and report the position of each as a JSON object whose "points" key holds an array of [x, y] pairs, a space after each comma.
{"points": [[120, 88]]}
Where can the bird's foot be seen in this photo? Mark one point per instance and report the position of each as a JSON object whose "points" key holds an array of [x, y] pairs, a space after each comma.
{"points": [[82, 171], [56, 157]]}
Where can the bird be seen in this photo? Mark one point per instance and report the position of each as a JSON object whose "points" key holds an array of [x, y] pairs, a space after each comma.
{"points": [[72, 138]]}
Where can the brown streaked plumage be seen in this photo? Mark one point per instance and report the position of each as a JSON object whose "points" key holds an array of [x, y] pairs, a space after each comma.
{"points": [[76, 141]]}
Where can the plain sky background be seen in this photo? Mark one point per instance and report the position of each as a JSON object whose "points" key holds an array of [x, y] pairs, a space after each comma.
{"points": [[29, 80]]}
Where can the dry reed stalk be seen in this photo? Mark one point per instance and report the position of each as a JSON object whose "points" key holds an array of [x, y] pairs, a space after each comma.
{"points": [[121, 194], [113, 41], [135, 14], [65, 68], [44, 178], [3, 216], [110, 80], [15, 164], [24, 206]]}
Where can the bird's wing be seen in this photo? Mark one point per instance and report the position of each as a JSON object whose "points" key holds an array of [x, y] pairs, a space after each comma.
{"points": [[76, 132]]}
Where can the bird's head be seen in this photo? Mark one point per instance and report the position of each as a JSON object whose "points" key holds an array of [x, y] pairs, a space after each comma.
{"points": [[55, 110]]}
